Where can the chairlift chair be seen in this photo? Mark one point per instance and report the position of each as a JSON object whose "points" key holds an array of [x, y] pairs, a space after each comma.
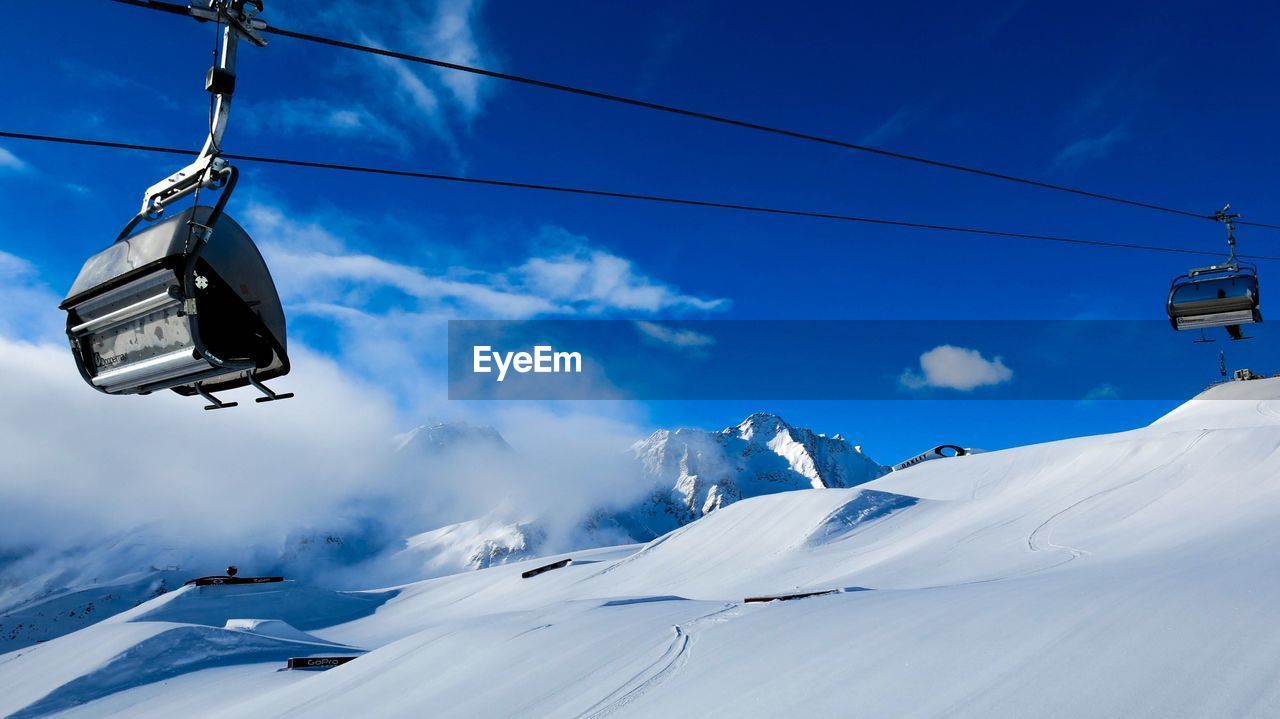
{"points": [[1224, 295], [1219, 296], [185, 303]]}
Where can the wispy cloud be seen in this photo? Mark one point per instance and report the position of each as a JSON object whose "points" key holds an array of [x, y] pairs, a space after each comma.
{"points": [[1106, 390], [1088, 149], [596, 281], [30, 307], [99, 77], [10, 162], [1119, 96], [311, 273], [14, 166], [313, 265], [13, 267], [385, 318], [313, 116], [960, 368], [405, 98], [452, 37], [892, 127], [1096, 120], [675, 337]]}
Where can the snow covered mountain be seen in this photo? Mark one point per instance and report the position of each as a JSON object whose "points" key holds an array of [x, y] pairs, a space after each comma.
{"points": [[499, 536], [445, 437], [688, 473], [694, 472], [1131, 574], [475, 544]]}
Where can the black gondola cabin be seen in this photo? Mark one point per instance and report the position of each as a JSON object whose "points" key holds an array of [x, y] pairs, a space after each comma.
{"points": [[161, 310]]}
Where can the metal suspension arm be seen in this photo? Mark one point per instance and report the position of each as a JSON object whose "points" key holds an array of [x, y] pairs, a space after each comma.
{"points": [[1228, 218], [239, 19], [1232, 264]]}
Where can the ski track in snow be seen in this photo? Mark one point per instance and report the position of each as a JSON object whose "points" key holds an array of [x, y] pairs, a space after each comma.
{"points": [[1040, 539], [1267, 409], [671, 661]]}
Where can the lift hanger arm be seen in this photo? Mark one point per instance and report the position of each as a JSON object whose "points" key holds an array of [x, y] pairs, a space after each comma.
{"points": [[239, 20], [1233, 264]]}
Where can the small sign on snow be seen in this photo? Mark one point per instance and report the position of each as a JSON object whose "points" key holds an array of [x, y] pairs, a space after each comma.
{"points": [[216, 581], [545, 568], [317, 662], [788, 597]]}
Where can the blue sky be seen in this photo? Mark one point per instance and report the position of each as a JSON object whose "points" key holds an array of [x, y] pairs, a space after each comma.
{"points": [[1167, 101]]}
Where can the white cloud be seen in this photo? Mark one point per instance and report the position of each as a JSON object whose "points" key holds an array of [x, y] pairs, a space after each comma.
{"points": [[414, 95], [414, 92], [948, 366], [313, 116], [597, 281], [681, 338], [1088, 149], [1106, 390], [311, 274], [80, 466], [390, 316], [103, 463], [11, 162], [13, 267], [97, 76], [30, 307], [895, 125], [452, 37], [572, 280]]}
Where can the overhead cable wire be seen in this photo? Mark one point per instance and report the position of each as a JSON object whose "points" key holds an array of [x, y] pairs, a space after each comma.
{"points": [[177, 9], [603, 193]]}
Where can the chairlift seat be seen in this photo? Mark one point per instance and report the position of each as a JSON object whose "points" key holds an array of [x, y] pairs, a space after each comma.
{"points": [[1197, 301], [132, 333]]}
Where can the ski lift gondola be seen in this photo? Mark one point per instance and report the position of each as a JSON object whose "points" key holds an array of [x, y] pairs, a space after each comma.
{"points": [[1224, 295], [186, 303]]}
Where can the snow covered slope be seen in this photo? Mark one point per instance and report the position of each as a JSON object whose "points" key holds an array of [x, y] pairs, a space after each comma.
{"points": [[181, 632], [61, 591], [1130, 575]]}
